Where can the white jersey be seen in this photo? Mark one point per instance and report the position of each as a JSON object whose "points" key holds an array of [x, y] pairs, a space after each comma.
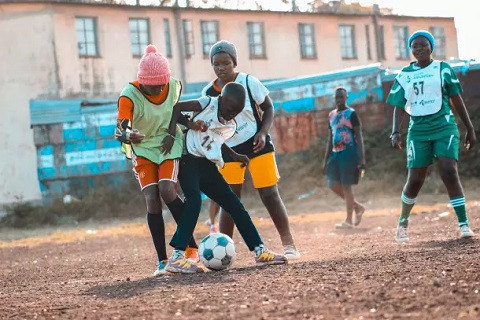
{"points": [[208, 144], [423, 90], [249, 119]]}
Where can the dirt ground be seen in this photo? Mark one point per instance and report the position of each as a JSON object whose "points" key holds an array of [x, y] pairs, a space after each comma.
{"points": [[104, 273]]}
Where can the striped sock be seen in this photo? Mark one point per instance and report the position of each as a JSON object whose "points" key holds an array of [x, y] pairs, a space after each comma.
{"points": [[407, 205], [458, 205]]}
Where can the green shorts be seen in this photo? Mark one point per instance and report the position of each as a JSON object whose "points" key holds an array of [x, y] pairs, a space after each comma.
{"points": [[422, 153]]}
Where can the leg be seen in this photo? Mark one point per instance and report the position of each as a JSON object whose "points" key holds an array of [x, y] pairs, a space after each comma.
{"points": [[155, 220], [338, 190], [225, 222], [274, 204], [217, 189], [173, 202], [415, 180], [349, 202], [213, 211], [449, 174], [189, 181]]}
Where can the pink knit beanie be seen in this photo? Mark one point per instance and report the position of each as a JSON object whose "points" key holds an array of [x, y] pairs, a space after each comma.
{"points": [[153, 69]]}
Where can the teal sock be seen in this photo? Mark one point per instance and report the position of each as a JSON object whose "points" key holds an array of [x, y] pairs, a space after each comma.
{"points": [[407, 205], [458, 205]]}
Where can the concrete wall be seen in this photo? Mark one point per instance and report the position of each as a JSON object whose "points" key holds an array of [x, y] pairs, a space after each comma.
{"points": [[27, 71]]}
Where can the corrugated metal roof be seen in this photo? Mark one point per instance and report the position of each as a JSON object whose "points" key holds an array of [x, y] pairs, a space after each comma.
{"points": [[54, 111]]}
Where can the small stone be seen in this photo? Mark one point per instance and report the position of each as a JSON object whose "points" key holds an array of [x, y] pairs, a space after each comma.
{"points": [[436, 282], [128, 279]]}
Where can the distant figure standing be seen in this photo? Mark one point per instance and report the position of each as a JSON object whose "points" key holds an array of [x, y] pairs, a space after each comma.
{"points": [[427, 90], [345, 157]]}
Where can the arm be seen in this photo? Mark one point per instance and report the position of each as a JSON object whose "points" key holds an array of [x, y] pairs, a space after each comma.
{"points": [[235, 156], [267, 120], [328, 150], [123, 130], [189, 105], [357, 130], [398, 116], [459, 106]]}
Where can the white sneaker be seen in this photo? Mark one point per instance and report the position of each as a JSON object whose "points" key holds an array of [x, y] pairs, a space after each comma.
{"points": [[466, 232], [344, 225], [402, 235], [291, 252], [160, 271]]}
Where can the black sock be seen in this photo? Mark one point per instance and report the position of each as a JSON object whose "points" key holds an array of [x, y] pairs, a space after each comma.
{"points": [[176, 208], [157, 229]]}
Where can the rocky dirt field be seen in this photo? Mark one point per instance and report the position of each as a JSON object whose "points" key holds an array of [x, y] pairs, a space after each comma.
{"points": [[105, 273]]}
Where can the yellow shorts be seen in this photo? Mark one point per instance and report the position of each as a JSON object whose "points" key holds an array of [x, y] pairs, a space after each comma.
{"points": [[263, 170]]}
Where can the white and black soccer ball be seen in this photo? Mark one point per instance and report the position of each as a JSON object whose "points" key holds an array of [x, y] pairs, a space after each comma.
{"points": [[217, 251]]}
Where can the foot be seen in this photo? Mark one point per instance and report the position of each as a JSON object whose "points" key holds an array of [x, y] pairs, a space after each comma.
{"points": [[192, 254], [359, 210], [466, 232], [179, 264], [264, 257], [212, 226], [291, 252], [344, 225], [160, 269], [402, 235]]}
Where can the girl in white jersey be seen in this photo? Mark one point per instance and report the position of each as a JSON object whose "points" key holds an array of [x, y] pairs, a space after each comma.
{"points": [[427, 90], [251, 139], [204, 152]]}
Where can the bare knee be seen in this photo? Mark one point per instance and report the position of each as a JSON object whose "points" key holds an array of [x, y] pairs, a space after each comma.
{"points": [[448, 170], [152, 199], [167, 190], [269, 193]]}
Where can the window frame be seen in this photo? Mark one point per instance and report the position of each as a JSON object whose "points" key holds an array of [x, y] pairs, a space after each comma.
{"points": [[440, 41], [206, 46], [397, 43], [168, 37], [353, 55], [141, 46], [188, 38], [252, 45], [85, 43], [302, 36]]}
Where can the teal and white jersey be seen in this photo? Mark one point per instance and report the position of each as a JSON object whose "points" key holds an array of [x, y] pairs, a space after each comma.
{"points": [[425, 94]]}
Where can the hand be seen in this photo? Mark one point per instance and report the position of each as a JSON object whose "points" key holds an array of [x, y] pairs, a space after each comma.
{"points": [[396, 141], [361, 168], [470, 139], [135, 136], [199, 125], [259, 142], [241, 158], [167, 145]]}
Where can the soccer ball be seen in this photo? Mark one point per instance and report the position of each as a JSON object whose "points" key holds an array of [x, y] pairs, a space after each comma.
{"points": [[217, 251]]}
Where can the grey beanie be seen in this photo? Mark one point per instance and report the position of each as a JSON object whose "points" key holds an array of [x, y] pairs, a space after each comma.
{"points": [[224, 46]]}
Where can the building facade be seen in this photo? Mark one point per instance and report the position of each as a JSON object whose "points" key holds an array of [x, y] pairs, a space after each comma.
{"points": [[57, 50]]}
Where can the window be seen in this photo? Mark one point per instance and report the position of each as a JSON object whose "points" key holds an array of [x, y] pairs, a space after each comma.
{"points": [[400, 35], [209, 35], [168, 39], [308, 48], [367, 35], [256, 39], [139, 35], [87, 36], [347, 42], [439, 35], [381, 43], [188, 38]]}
